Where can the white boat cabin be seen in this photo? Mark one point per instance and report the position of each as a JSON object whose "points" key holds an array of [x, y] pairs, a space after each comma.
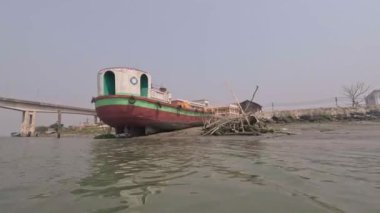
{"points": [[129, 81]]}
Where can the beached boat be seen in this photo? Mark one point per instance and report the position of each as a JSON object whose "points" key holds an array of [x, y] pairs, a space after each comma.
{"points": [[128, 102]]}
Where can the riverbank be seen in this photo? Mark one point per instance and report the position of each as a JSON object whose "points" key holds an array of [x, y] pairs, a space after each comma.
{"points": [[294, 127], [299, 129], [285, 121], [322, 114], [89, 131]]}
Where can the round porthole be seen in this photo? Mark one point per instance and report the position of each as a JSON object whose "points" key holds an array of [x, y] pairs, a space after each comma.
{"points": [[134, 80]]}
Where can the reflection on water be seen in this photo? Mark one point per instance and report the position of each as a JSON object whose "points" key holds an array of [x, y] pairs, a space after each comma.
{"points": [[138, 168]]}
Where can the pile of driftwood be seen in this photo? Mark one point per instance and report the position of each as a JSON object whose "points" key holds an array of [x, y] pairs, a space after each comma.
{"points": [[242, 124], [237, 125]]}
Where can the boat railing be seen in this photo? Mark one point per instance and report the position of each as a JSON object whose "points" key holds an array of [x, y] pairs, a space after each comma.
{"points": [[160, 95]]}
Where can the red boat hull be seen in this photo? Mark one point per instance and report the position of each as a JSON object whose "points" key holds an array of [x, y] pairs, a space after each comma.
{"points": [[121, 113]]}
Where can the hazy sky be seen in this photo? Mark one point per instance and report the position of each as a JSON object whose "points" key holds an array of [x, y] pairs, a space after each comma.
{"points": [[295, 50]]}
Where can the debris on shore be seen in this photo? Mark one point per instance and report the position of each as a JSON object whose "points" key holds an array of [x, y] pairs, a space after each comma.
{"points": [[237, 125], [242, 124], [245, 123]]}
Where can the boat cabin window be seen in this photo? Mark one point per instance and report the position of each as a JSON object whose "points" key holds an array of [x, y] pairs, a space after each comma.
{"points": [[109, 83], [144, 85]]}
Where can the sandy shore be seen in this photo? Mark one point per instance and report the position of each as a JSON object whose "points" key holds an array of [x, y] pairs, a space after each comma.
{"points": [[299, 129]]}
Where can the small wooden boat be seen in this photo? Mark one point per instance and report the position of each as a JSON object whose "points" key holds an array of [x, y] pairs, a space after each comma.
{"points": [[15, 134]]}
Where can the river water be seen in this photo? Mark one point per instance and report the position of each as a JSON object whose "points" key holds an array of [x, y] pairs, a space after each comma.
{"points": [[323, 170]]}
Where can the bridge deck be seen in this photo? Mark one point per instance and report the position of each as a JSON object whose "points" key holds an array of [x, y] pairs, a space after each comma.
{"points": [[42, 107]]}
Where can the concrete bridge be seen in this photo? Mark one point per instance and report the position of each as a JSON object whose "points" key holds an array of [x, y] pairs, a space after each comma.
{"points": [[30, 108]]}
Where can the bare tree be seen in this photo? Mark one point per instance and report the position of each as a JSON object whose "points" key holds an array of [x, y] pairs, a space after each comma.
{"points": [[355, 91]]}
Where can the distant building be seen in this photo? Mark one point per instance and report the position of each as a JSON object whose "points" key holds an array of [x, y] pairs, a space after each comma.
{"points": [[373, 98], [230, 110], [234, 109], [250, 107]]}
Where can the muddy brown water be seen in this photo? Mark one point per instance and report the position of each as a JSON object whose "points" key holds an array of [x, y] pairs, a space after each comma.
{"points": [[325, 168]]}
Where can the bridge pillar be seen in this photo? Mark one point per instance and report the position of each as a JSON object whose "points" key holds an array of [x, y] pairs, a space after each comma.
{"points": [[59, 124], [28, 125]]}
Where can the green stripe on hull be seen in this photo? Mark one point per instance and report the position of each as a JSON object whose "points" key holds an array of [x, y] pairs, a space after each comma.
{"points": [[145, 104]]}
